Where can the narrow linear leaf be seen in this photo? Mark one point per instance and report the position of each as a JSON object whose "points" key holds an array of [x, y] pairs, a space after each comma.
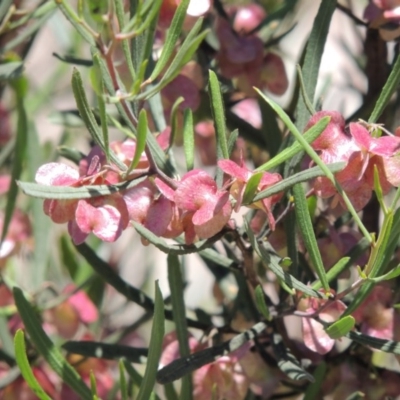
{"points": [[24, 366], [314, 156], [11, 70], [155, 347], [182, 366], [131, 293], [93, 386], [272, 261], [18, 162], [307, 101], [392, 274], [171, 39], [188, 138], [179, 314], [260, 303], [217, 108], [179, 249], [96, 72], [296, 147], [302, 176], [141, 136], [314, 388], [313, 56], [84, 108], [287, 362], [388, 346], [88, 117], [4, 8], [170, 392], [128, 117], [119, 11], [137, 355], [122, 381], [184, 55], [68, 192], [68, 59], [390, 87], [174, 121], [333, 272], [152, 13], [251, 188], [272, 134], [77, 22], [136, 378], [307, 232], [28, 32], [47, 348], [341, 327]]}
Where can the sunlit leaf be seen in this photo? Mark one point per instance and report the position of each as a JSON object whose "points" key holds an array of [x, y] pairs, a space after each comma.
{"points": [[155, 347], [23, 363], [172, 36], [390, 87], [47, 348], [307, 233], [179, 313], [341, 327]]}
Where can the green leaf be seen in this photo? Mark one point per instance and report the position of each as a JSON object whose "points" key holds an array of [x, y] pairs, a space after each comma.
{"points": [[388, 346], [122, 380], [260, 303], [172, 37], [307, 101], [19, 159], [390, 87], [251, 188], [178, 249], [141, 136], [179, 314], [96, 73], [341, 327], [93, 386], [314, 156], [182, 366], [79, 25], [68, 192], [217, 108], [272, 134], [152, 11], [155, 347], [394, 273], [188, 138], [313, 56], [123, 287], [42, 13], [303, 176], [314, 388], [47, 349], [88, 117], [137, 355], [333, 272], [24, 366], [173, 120], [267, 254], [119, 11], [287, 362], [307, 233], [5, 8], [11, 70], [184, 54], [296, 147]]}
